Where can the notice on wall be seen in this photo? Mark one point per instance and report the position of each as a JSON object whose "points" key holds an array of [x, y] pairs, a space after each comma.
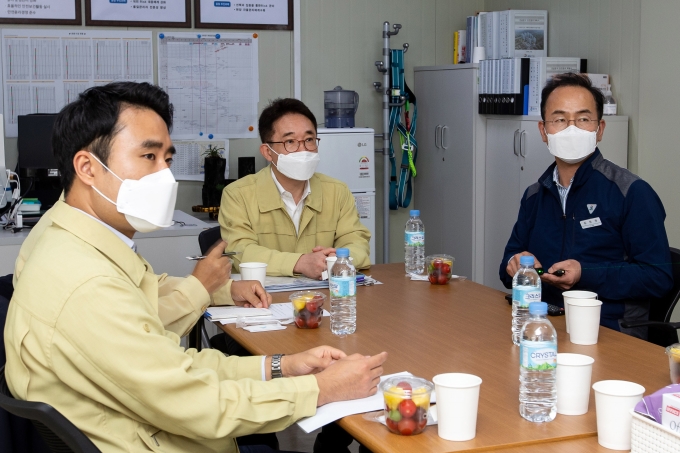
{"points": [[188, 161], [139, 10], [213, 83], [363, 204], [269, 12], [38, 9], [46, 69]]}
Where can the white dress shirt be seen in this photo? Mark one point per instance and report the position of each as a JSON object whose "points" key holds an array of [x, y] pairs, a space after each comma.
{"points": [[293, 210], [563, 191]]}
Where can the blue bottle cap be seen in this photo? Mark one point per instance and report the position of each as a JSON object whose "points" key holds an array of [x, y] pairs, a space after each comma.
{"points": [[526, 260], [342, 253], [538, 308], [415, 212]]}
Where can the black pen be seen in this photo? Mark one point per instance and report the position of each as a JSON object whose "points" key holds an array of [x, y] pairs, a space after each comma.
{"points": [[200, 257], [557, 273]]}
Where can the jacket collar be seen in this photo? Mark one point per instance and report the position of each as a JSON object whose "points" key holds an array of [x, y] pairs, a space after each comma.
{"points": [[99, 237], [269, 198], [581, 176]]}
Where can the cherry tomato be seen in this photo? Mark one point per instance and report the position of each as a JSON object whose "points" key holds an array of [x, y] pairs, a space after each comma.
{"points": [[437, 264], [407, 408], [312, 307], [312, 322], [433, 279], [406, 426], [446, 269], [392, 425], [405, 385], [300, 323], [443, 279]]}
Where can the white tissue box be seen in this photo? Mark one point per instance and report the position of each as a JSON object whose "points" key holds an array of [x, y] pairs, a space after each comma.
{"points": [[670, 415]]}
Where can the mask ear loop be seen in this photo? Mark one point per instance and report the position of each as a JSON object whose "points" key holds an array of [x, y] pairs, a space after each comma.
{"points": [[272, 150], [108, 169]]}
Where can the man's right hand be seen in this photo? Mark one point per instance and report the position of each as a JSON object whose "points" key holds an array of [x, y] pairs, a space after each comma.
{"points": [[513, 264], [349, 378], [214, 270], [311, 264]]}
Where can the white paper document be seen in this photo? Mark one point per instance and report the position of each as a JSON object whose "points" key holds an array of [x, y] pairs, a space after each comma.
{"points": [[334, 411], [233, 311], [188, 163]]}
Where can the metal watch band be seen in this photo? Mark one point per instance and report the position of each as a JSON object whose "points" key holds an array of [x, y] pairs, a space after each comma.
{"points": [[276, 366]]}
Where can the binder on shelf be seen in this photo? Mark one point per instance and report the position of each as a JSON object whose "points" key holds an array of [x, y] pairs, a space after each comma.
{"points": [[524, 33], [542, 69], [503, 86]]}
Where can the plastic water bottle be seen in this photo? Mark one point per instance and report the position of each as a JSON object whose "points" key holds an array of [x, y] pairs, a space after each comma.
{"points": [[609, 107], [526, 288], [343, 289], [538, 361], [414, 244]]}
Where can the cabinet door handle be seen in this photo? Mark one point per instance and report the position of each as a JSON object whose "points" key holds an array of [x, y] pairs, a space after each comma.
{"points": [[514, 143], [437, 129], [445, 128], [522, 142]]}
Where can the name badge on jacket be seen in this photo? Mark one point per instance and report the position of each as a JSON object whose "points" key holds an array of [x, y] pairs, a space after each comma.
{"points": [[589, 223]]}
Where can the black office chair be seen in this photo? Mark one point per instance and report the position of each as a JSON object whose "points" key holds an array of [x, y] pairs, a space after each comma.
{"points": [[60, 435], [198, 337], [661, 330]]}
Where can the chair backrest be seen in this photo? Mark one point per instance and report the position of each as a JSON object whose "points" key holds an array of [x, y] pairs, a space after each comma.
{"points": [[57, 431], [661, 309], [207, 238]]}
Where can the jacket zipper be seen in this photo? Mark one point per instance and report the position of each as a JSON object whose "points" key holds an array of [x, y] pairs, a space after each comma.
{"points": [[573, 230], [564, 234]]}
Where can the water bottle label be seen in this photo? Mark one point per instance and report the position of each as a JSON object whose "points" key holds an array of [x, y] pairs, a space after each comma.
{"points": [[538, 355], [524, 295], [343, 286], [414, 239]]}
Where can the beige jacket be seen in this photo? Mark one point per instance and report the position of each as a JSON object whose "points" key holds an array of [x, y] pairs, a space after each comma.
{"points": [[83, 334], [254, 221]]}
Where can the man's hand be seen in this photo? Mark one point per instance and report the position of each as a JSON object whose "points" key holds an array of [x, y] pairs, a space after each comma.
{"points": [[513, 264], [349, 378], [214, 270], [572, 274], [249, 294], [312, 264], [311, 361], [328, 251]]}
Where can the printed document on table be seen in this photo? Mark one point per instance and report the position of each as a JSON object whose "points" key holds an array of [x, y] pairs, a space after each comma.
{"points": [[212, 80], [46, 69], [188, 163]]}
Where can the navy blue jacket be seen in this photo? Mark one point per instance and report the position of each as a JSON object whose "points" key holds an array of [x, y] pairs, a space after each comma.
{"points": [[625, 260]]}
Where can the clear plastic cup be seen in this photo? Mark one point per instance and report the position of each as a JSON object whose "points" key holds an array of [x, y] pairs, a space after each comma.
{"points": [[308, 308], [673, 353], [407, 400], [439, 268]]}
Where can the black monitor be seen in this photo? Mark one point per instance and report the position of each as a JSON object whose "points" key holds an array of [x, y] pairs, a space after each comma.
{"points": [[37, 165]]}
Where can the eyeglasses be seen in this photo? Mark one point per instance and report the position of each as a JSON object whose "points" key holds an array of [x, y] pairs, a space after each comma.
{"points": [[584, 123], [291, 145]]}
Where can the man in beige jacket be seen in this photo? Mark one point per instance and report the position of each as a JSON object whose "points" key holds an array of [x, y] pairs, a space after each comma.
{"points": [[83, 331]]}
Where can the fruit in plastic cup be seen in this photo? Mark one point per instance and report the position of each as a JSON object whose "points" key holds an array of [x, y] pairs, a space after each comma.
{"points": [[439, 268], [673, 352], [407, 400], [308, 308]]}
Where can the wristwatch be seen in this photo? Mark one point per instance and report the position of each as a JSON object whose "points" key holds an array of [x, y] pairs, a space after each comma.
{"points": [[276, 366]]}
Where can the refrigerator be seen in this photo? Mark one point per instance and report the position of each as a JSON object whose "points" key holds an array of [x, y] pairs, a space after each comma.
{"points": [[348, 154]]}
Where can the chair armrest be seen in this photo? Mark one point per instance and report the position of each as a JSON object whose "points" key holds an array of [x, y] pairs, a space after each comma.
{"points": [[630, 324]]}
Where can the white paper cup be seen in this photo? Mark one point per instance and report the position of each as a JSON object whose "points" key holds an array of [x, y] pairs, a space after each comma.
{"points": [[457, 401], [613, 402], [570, 295], [253, 271], [584, 321], [573, 383], [330, 261]]}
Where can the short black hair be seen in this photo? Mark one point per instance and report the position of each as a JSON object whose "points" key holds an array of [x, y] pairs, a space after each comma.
{"points": [[89, 123], [277, 109], [572, 79]]}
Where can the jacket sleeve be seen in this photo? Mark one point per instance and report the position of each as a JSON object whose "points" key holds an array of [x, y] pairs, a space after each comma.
{"points": [[647, 272], [351, 233], [237, 231], [182, 301], [518, 242], [108, 342]]}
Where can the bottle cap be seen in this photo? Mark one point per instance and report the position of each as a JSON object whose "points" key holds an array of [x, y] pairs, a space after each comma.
{"points": [[342, 253], [538, 308], [415, 212], [526, 260]]}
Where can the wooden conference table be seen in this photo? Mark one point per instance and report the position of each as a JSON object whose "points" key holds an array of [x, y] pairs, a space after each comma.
{"points": [[463, 327]]}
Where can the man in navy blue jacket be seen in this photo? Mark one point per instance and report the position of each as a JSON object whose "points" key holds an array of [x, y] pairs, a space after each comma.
{"points": [[600, 223]]}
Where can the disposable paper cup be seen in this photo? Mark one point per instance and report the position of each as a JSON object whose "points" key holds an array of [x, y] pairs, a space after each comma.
{"points": [[573, 383], [613, 402], [330, 261], [253, 271], [584, 321], [570, 295], [457, 401]]}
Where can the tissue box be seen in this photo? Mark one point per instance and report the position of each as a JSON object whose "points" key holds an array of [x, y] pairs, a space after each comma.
{"points": [[670, 413]]}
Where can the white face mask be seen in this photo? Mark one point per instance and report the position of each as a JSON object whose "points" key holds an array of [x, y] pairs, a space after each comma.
{"points": [[572, 145], [148, 203], [299, 166]]}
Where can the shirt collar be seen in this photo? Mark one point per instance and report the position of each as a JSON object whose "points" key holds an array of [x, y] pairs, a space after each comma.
{"points": [[556, 178], [129, 242], [282, 191]]}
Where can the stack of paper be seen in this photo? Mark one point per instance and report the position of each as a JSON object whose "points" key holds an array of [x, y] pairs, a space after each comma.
{"points": [[283, 284]]}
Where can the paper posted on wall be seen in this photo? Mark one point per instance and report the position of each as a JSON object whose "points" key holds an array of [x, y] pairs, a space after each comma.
{"points": [[188, 163]]}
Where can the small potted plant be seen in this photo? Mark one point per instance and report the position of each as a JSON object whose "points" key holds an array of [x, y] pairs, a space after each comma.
{"points": [[214, 180]]}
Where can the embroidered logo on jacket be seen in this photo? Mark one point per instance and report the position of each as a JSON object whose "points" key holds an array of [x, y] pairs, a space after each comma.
{"points": [[591, 208]]}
